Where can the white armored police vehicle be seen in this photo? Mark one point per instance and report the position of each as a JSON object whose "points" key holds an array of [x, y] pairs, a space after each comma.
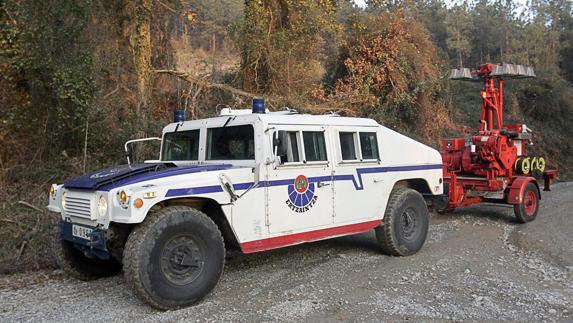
{"points": [[252, 180]]}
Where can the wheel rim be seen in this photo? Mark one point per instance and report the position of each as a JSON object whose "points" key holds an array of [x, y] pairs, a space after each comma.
{"points": [[409, 223], [182, 260], [530, 203]]}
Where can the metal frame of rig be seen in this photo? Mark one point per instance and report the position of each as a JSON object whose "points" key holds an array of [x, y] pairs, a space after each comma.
{"points": [[491, 164]]}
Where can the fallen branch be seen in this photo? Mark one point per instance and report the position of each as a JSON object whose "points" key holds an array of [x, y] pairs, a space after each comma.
{"points": [[21, 251], [271, 98], [111, 93], [167, 7], [189, 78], [26, 204]]}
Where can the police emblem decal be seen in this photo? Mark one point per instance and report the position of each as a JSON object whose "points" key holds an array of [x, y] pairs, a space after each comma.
{"points": [[301, 196]]}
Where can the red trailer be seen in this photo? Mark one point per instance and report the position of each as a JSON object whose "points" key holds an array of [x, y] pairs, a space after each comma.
{"points": [[492, 164]]}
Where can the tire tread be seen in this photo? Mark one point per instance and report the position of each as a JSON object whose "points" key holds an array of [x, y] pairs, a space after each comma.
{"points": [[132, 251], [385, 232]]}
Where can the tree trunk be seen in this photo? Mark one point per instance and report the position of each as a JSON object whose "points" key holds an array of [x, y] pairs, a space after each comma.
{"points": [[142, 58]]}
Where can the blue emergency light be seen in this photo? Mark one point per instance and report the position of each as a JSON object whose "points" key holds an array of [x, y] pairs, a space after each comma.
{"points": [[179, 116], [258, 105]]}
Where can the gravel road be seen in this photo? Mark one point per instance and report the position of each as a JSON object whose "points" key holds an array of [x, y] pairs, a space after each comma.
{"points": [[478, 264]]}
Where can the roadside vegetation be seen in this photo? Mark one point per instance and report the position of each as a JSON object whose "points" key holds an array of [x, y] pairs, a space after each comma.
{"points": [[79, 78]]}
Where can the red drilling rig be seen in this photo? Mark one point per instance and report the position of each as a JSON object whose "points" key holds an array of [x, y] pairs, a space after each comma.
{"points": [[491, 164]]}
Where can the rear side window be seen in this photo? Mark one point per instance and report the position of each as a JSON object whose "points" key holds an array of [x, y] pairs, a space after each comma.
{"points": [[369, 145], [288, 147], [314, 146], [182, 145], [348, 145], [231, 143]]}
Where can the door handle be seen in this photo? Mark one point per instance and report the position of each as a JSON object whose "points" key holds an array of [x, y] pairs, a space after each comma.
{"points": [[321, 184]]}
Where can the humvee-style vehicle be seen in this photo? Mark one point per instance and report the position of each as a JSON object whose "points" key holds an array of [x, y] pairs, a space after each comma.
{"points": [[251, 180]]}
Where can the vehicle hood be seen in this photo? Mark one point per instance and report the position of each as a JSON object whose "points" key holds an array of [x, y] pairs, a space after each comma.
{"points": [[109, 178]]}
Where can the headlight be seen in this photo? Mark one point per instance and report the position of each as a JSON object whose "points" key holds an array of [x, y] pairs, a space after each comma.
{"points": [[123, 199], [102, 206], [63, 199], [53, 191]]}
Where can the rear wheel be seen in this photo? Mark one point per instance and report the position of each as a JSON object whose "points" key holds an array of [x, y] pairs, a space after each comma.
{"points": [[405, 225], [174, 258], [527, 210], [73, 262]]}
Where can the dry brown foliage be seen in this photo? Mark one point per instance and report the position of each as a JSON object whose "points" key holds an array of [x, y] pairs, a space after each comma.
{"points": [[392, 74]]}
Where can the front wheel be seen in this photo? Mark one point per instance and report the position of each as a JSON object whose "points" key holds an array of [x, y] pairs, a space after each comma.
{"points": [[405, 225], [527, 210], [174, 258]]}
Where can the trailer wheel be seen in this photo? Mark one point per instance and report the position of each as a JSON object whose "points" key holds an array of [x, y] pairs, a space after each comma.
{"points": [[405, 225], [74, 263], [174, 258], [527, 210]]}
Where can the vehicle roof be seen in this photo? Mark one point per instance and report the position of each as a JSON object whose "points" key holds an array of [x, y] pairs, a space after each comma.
{"points": [[328, 119], [279, 118]]}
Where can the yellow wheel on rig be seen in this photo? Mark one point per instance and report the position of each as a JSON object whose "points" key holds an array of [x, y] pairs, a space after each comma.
{"points": [[517, 165], [541, 164], [525, 166], [533, 166]]}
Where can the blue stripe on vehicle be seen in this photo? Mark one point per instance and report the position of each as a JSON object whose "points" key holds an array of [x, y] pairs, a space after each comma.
{"points": [[282, 182], [372, 170], [194, 190]]}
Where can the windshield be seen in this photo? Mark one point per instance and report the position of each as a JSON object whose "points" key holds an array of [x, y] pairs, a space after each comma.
{"points": [[182, 145], [231, 143]]}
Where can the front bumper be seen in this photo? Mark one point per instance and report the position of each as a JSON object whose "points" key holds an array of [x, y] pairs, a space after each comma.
{"points": [[95, 247]]}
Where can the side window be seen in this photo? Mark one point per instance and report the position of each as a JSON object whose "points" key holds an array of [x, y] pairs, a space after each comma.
{"points": [[369, 145], [348, 145], [287, 148], [314, 146]]}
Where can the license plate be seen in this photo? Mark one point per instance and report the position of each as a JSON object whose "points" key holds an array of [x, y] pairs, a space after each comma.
{"points": [[81, 232]]}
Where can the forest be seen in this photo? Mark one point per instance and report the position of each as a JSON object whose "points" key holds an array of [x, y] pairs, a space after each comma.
{"points": [[80, 77]]}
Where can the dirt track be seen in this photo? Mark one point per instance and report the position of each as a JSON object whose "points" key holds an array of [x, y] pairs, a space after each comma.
{"points": [[478, 264]]}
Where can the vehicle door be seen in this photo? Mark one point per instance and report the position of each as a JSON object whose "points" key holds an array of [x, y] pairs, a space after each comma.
{"points": [[359, 179], [299, 183]]}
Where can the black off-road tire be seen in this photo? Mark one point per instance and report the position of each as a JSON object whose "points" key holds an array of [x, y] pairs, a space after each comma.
{"points": [[73, 262], [525, 211], [405, 225], [174, 258]]}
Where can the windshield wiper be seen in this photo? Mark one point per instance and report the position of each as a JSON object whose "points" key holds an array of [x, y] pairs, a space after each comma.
{"points": [[229, 120]]}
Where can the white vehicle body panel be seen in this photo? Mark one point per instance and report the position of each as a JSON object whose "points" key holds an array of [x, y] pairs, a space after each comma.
{"points": [[344, 193]]}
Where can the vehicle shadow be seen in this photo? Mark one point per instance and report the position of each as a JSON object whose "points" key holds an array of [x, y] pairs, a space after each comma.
{"points": [[357, 245], [493, 212]]}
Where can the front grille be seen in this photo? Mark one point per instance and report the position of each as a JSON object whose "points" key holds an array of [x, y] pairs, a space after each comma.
{"points": [[78, 206]]}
